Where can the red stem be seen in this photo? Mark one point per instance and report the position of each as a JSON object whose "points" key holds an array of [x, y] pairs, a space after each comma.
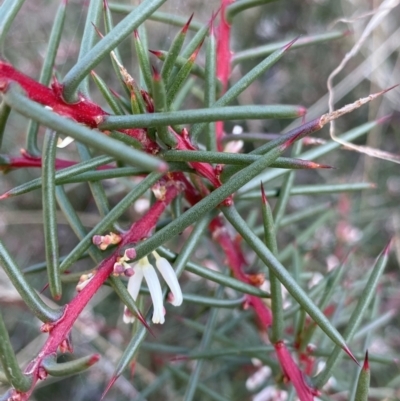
{"points": [[224, 56], [59, 330]]}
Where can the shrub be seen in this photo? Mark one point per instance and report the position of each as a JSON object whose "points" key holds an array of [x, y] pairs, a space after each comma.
{"points": [[262, 284]]}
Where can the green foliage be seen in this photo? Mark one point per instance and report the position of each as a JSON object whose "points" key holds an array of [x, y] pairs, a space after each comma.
{"points": [[154, 177]]}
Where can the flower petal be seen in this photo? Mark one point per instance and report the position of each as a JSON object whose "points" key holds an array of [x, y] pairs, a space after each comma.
{"points": [[170, 278], [153, 283], [134, 283]]}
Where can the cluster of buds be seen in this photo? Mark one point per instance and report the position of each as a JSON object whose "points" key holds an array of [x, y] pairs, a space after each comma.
{"points": [[122, 267], [103, 241]]}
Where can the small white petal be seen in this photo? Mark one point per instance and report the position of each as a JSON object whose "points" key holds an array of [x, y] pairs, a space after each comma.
{"points": [[62, 143], [127, 317], [170, 278], [134, 283], [153, 283]]}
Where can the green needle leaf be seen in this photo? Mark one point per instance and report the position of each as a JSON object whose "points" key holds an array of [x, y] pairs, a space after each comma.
{"points": [[204, 345], [49, 213], [110, 219], [109, 42], [363, 381], [4, 113], [47, 71], [210, 89], [215, 276], [77, 131], [357, 315], [28, 294], [310, 154], [207, 204], [303, 41], [74, 221], [201, 115], [282, 274], [213, 302], [69, 368], [201, 387], [169, 19], [8, 11], [243, 84], [276, 290], [10, 364], [107, 94], [89, 35], [160, 104], [238, 6], [120, 289], [177, 81], [196, 70], [286, 187], [313, 190], [173, 52], [60, 175], [144, 62]]}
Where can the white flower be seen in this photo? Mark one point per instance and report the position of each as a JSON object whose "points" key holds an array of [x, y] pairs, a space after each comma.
{"points": [[143, 268]]}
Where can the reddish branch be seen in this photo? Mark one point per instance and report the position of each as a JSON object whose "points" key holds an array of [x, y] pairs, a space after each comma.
{"points": [[224, 56], [86, 112], [236, 261], [292, 372], [27, 161], [59, 330]]}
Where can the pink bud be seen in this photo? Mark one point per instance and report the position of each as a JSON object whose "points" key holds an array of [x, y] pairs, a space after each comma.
{"points": [[118, 268], [129, 272], [130, 253], [97, 240]]}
